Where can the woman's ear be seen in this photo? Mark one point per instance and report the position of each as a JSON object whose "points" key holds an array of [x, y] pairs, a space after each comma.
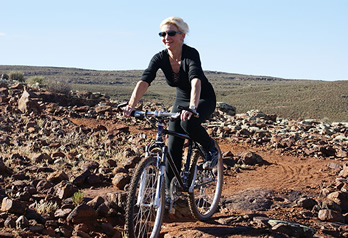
{"points": [[183, 36]]}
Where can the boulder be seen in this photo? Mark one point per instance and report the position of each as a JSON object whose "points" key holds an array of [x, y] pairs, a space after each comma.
{"points": [[26, 104], [83, 214]]}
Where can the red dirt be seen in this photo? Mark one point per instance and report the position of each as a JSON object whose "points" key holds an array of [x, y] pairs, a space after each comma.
{"points": [[283, 174]]}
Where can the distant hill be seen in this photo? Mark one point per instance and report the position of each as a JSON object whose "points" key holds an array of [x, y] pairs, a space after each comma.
{"points": [[288, 98]]}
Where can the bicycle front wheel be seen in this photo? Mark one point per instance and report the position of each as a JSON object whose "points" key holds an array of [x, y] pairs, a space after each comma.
{"points": [[144, 212], [204, 200]]}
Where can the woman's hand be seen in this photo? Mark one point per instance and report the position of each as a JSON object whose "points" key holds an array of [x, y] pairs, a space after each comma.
{"points": [[185, 115], [127, 110]]}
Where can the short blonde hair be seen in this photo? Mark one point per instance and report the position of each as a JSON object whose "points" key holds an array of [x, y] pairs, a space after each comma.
{"points": [[178, 22]]}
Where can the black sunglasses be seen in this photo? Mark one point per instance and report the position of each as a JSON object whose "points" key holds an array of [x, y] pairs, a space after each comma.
{"points": [[170, 33]]}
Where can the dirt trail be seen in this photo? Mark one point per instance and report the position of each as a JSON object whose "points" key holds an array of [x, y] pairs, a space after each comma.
{"points": [[282, 174]]}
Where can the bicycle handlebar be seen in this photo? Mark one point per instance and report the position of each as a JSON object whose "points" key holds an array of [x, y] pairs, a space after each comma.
{"points": [[156, 113]]}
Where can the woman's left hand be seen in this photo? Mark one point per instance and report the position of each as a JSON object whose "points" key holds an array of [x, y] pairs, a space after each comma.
{"points": [[185, 115]]}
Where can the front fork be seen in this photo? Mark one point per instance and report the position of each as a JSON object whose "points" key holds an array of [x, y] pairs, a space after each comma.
{"points": [[162, 170]]}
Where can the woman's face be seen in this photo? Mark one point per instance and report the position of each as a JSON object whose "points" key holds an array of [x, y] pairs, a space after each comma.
{"points": [[172, 42]]}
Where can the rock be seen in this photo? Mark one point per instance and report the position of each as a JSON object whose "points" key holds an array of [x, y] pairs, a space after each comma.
{"points": [[26, 104], [90, 165], [95, 180], [330, 215], [254, 199], [112, 163], [327, 150], [38, 228], [291, 229], [80, 180], [5, 140], [120, 180], [65, 190], [38, 158], [62, 213], [22, 222], [116, 200], [13, 206], [96, 202], [307, 203], [44, 185], [249, 158], [4, 170], [131, 162], [229, 161], [108, 229], [10, 222], [83, 214], [81, 230], [103, 210], [341, 198], [57, 177], [226, 108], [334, 166], [102, 109], [4, 234], [344, 172], [58, 154]]}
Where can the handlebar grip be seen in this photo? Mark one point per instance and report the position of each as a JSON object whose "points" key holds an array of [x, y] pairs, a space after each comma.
{"points": [[194, 112]]}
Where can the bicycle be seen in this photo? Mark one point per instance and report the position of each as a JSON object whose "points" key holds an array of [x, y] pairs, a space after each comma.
{"points": [[146, 198]]}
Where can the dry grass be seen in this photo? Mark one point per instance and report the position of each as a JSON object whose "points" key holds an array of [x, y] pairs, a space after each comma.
{"points": [[294, 99]]}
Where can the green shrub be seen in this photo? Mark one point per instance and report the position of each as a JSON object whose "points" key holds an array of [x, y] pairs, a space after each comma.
{"points": [[19, 76], [77, 198], [59, 86], [35, 80]]}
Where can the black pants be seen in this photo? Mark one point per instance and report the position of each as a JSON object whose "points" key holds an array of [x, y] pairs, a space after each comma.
{"points": [[191, 127]]}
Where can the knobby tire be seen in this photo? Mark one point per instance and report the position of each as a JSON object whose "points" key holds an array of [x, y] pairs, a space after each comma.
{"points": [[204, 200], [142, 219]]}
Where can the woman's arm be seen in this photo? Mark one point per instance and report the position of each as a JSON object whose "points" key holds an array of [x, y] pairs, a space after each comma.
{"points": [[137, 94], [195, 92], [194, 98]]}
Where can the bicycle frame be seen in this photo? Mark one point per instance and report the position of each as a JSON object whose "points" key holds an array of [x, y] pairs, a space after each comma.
{"points": [[147, 201], [159, 143]]}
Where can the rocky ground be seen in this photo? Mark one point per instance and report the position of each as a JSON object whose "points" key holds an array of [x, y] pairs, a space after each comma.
{"points": [[66, 162]]}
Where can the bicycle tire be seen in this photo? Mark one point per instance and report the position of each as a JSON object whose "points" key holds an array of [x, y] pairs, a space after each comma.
{"points": [[142, 218], [204, 200]]}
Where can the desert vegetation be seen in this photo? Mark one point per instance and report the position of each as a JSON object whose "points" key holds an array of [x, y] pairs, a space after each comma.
{"points": [[289, 98]]}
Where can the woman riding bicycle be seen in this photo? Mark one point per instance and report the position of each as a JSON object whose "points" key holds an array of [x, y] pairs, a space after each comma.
{"points": [[181, 66]]}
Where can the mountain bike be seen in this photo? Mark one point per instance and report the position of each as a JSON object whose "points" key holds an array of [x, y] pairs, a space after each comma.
{"points": [[146, 198]]}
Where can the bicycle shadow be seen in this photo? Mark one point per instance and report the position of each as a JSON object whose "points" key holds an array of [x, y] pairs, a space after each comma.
{"points": [[211, 227]]}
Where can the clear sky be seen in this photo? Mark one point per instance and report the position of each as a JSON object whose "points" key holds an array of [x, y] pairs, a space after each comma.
{"points": [[298, 39]]}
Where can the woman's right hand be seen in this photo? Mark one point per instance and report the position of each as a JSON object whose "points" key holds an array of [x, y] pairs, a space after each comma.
{"points": [[127, 110]]}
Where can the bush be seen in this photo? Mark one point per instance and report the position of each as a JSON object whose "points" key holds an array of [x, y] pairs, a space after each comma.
{"points": [[59, 86], [19, 76], [35, 80], [77, 198], [4, 77]]}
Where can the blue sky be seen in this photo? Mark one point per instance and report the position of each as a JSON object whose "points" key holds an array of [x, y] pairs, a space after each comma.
{"points": [[299, 39]]}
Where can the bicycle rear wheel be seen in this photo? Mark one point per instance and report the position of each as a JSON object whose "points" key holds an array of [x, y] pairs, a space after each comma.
{"points": [[143, 215], [204, 199]]}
